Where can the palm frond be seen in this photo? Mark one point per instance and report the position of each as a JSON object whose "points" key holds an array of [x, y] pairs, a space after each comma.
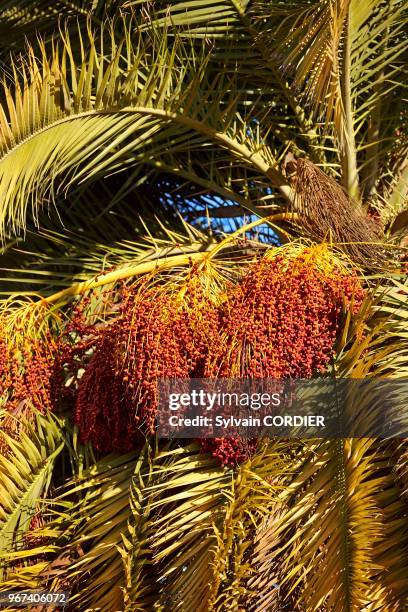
{"points": [[174, 503], [344, 60], [52, 257], [397, 201], [331, 532], [374, 343], [25, 19], [225, 23], [115, 109], [27, 464]]}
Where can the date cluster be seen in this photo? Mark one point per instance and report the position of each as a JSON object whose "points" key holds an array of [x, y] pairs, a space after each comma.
{"points": [[280, 320]]}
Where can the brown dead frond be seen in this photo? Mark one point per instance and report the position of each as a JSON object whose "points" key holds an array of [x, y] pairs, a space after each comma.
{"points": [[327, 213]]}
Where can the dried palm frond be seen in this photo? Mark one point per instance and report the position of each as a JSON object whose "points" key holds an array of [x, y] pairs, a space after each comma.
{"points": [[326, 212]]}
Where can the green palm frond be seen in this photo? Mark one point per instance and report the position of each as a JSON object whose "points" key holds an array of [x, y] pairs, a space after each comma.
{"points": [[333, 64], [264, 582], [374, 344], [192, 529], [392, 552], [397, 186], [175, 503], [26, 465], [25, 19], [101, 492], [125, 542], [254, 492], [225, 22], [113, 111], [345, 59], [68, 244], [328, 548]]}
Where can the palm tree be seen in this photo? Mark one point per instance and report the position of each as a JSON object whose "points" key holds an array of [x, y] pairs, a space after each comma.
{"points": [[148, 149]]}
